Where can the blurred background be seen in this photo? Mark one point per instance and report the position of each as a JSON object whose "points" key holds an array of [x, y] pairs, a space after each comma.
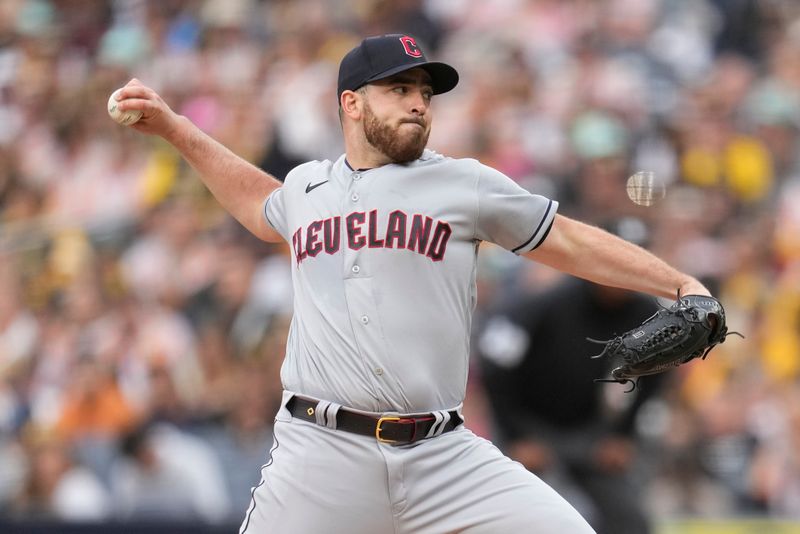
{"points": [[142, 329]]}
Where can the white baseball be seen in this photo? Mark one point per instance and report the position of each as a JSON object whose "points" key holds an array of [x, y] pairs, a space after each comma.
{"points": [[123, 117], [645, 188]]}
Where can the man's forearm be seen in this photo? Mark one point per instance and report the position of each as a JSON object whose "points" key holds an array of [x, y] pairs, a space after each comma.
{"points": [[239, 186], [594, 254]]}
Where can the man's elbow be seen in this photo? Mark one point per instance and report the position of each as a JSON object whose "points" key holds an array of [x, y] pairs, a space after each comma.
{"points": [[265, 232], [558, 245]]}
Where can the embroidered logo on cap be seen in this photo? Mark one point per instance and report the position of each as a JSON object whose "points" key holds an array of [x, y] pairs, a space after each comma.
{"points": [[410, 46]]}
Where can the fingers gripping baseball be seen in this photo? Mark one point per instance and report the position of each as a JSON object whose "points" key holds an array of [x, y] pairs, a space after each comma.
{"points": [[134, 99]]}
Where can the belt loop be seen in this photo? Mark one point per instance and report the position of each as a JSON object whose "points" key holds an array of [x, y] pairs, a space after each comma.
{"points": [[326, 412], [442, 417]]}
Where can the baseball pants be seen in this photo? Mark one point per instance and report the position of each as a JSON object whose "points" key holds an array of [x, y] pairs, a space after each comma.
{"points": [[318, 480]]}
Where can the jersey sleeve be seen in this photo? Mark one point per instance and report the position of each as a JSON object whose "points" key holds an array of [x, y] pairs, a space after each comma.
{"points": [[275, 212], [510, 216]]}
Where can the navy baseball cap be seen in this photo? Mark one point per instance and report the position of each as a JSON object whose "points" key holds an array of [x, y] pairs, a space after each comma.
{"points": [[383, 56]]}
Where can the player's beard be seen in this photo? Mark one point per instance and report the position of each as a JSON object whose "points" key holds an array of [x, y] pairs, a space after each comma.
{"points": [[399, 147]]}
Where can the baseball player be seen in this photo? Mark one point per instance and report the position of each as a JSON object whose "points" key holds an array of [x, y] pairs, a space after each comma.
{"points": [[370, 438]]}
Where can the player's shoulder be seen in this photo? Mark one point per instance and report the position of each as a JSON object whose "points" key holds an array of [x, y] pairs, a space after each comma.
{"points": [[315, 169], [466, 167]]}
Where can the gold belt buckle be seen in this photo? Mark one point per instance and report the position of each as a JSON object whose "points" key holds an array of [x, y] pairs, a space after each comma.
{"points": [[378, 429]]}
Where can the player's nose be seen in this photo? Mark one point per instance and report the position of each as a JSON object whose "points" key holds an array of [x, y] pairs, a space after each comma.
{"points": [[419, 102]]}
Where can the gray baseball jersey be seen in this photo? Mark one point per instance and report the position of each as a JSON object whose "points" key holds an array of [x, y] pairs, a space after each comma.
{"points": [[384, 263]]}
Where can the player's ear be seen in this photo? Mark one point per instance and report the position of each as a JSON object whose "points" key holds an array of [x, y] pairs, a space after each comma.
{"points": [[351, 103]]}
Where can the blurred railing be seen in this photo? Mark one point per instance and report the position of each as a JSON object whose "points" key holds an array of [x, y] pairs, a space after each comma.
{"points": [[46, 527], [729, 526]]}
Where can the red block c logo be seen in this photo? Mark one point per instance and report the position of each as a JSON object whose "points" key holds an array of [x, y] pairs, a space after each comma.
{"points": [[410, 46]]}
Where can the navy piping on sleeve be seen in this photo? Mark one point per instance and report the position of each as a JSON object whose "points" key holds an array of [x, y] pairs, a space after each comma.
{"points": [[266, 203], [538, 228], [544, 236]]}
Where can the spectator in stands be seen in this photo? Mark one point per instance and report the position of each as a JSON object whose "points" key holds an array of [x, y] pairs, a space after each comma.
{"points": [[167, 474], [56, 485], [550, 414]]}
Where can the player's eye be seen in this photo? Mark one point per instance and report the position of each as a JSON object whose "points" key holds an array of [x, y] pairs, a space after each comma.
{"points": [[400, 89]]}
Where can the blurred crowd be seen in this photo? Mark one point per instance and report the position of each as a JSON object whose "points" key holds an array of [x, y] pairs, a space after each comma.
{"points": [[142, 329]]}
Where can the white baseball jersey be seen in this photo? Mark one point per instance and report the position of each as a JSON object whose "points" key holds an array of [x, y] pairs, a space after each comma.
{"points": [[383, 265]]}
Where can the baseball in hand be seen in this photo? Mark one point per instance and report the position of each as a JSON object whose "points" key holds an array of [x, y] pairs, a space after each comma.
{"points": [[645, 188], [123, 117]]}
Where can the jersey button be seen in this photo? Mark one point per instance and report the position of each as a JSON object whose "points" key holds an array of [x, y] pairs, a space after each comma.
{"points": [[355, 197], [356, 177], [379, 371], [364, 319], [356, 268]]}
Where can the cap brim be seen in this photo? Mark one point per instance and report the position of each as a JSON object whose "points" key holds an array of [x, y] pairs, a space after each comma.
{"points": [[443, 77]]}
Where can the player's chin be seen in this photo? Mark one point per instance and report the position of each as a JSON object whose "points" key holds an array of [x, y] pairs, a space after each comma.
{"points": [[405, 145], [408, 151], [415, 140]]}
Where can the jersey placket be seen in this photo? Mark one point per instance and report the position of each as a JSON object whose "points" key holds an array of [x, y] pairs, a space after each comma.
{"points": [[358, 283]]}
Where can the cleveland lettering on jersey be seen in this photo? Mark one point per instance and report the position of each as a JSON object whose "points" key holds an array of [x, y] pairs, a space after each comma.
{"points": [[362, 229]]}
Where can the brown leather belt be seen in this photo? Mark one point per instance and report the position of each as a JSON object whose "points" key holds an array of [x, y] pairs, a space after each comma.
{"points": [[393, 429]]}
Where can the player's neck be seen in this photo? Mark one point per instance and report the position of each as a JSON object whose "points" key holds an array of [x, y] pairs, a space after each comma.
{"points": [[355, 167], [365, 159]]}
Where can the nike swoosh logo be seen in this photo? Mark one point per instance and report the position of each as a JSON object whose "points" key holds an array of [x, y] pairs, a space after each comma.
{"points": [[310, 187]]}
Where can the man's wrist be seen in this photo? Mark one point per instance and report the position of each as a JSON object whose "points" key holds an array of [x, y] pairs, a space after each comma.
{"points": [[693, 287], [178, 132]]}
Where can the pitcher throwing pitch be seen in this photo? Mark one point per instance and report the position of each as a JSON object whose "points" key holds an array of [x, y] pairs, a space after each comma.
{"points": [[370, 437]]}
